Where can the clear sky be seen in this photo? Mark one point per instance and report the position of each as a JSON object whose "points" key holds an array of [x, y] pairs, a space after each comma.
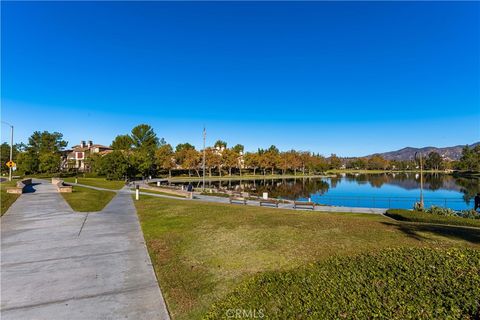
{"points": [[329, 77]]}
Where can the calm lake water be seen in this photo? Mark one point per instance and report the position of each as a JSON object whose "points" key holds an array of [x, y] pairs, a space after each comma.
{"points": [[389, 190]]}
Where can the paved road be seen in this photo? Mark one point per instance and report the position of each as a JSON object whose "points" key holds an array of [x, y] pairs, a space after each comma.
{"points": [[58, 264]]}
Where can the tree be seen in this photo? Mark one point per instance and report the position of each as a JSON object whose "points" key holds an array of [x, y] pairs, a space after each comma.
{"points": [[122, 142], [49, 162], [164, 158], [238, 148], [42, 153], [434, 161], [335, 162], [230, 159], [252, 161], [181, 151], [28, 162], [470, 159], [220, 144], [45, 141], [191, 160], [212, 160], [115, 166], [377, 162], [145, 143], [143, 137], [5, 155]]}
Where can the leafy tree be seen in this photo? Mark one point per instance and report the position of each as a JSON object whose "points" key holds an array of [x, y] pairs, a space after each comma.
{"points": [[49, 162], [115, 166], [164, 158], [238, 148], [252, 161], [181, 151], [434, 161], [335, 162], [28, 162], [191, 160], [42, 153], [122, 142], [470, 159], [45, 141], [144, 137], [5, 155], [212, 160], [220, 144], [377, 162], [230, 159]]}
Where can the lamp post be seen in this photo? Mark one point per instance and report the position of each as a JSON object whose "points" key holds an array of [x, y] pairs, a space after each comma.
{"points": [[204, 137], [421, 179], [11, 149]]}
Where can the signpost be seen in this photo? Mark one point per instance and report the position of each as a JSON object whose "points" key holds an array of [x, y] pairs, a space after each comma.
{"points": [[12, 164]]}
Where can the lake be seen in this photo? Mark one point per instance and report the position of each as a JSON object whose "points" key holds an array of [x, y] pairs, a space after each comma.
{"points": [[386, 190]]}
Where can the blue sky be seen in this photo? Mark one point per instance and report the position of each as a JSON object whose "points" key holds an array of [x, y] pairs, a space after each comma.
{"points": [[329, 77]]}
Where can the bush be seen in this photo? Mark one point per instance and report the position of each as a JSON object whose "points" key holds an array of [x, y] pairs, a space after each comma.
{"points": [[402, 283], [421, 216], [441, 211]]}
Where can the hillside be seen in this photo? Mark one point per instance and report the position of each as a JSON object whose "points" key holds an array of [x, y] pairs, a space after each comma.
{"points": [[408, 153]]}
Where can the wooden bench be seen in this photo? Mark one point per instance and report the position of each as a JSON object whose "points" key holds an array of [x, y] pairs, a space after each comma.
{"points": [[303, 204], [20, 186], [269, 202], [241, 200]]}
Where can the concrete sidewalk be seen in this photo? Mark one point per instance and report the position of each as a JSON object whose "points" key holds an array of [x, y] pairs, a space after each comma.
{"points": [[58, 264]]}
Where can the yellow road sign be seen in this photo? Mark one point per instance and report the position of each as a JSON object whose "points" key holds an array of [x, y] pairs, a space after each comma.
{"points": [[10, 164]]}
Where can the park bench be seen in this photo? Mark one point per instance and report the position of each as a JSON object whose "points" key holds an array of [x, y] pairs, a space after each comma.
{"points": [[241, 200], [304, 204], [19, 189], [61, 187], [269, 202]]}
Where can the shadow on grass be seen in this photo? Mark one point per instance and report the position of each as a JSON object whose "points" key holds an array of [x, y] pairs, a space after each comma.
{"points": [[459, 233], [30, 188]]}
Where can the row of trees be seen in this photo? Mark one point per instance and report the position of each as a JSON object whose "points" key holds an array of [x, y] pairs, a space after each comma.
{"points": [[141, 152]]}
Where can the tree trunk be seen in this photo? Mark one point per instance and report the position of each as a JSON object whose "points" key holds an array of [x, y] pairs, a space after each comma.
{"points": [[189, 173], [210, 172], [295, 171], [169, 173], [254, 170], [219, 171], [230, 171], [272, 171]]}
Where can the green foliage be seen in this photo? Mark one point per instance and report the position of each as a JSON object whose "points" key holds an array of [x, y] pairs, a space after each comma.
{"points": [[5, 155], [122, 142], [441, 211], [421, 216], [392, 284], [434, 161], [42, 154], [470, 159], [49, 162], [115, 166]]}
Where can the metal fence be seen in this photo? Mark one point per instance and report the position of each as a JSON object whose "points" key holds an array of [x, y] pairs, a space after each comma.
{"points": [[391, 202]]}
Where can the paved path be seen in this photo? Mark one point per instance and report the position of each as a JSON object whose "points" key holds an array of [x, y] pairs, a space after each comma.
{"points": [[58, 264]]}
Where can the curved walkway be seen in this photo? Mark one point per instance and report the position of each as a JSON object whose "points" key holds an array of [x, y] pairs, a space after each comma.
{"points": [[59, 264]]}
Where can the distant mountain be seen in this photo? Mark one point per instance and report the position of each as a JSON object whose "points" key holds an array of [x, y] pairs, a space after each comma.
{"points": [[408, 153]]}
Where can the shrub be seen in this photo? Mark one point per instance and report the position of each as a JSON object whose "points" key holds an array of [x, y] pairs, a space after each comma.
{"points": [[421, 216], [441, 211], [402, 283]]}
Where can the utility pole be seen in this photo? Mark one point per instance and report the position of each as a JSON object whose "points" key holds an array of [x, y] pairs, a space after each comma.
{"points": [[421, 179], [11, 149], [204, 137]]}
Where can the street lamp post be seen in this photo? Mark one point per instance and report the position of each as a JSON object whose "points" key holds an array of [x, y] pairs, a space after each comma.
{"points": [[204, 137], [421, 180], [11, 149]]}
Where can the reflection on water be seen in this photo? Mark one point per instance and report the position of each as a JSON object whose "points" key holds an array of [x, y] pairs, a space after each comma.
{"points": [[396, 190]]}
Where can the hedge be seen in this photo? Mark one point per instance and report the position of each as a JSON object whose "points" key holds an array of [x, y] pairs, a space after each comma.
{"points": [[406, 283], [417, 216]]}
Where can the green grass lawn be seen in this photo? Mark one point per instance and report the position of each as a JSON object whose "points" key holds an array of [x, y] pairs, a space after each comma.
{"points": [[88, 200], [202, 251], [7, 198], [160, 192], [416, 216], [98, 182]]}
